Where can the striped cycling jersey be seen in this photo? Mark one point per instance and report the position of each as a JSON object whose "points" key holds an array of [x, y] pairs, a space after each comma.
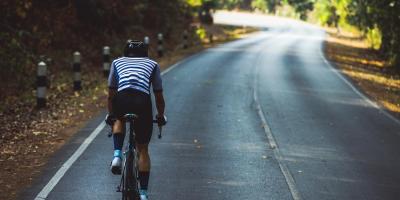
{"points": [[136, 73]]}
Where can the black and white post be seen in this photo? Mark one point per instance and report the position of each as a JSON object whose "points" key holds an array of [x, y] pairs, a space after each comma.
{"points": [[77, 71], [41, 84], [106, 61], [146, 41], [185, 39], [160, 48]]}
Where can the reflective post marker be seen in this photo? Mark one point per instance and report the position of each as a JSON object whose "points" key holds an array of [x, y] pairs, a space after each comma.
{"points": [[160, 47], [41, 83], [146, 41], [106, 61], [77, 71]]}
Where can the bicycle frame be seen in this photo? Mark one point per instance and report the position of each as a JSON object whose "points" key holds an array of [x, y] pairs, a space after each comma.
{"points": [[129, 185]]}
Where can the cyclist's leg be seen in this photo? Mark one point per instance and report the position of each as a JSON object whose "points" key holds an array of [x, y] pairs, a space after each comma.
{"points": [[121, 106], [118, 126], [144, 162], [144, 157], [118, 134], [144, 131], [144, 165]]}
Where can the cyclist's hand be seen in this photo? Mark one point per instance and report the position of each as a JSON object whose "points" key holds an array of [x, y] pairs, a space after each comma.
{"points": [[161, 120], [110, 119]]}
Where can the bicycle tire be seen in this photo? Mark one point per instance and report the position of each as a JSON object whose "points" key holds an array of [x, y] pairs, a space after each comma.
{"points": [[136, 175], [130, 180]]}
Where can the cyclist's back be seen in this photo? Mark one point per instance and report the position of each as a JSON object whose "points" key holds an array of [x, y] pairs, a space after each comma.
{"points": [[130, 80], [136, 73]]}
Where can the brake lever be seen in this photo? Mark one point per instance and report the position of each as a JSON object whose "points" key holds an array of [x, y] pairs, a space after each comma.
{"points": [[160, 131], [159, 128]]}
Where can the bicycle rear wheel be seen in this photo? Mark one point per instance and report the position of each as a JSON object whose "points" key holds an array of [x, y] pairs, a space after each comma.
{"points": [[130, 184]]}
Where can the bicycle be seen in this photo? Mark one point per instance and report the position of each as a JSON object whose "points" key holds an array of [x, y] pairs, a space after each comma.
{"points": [[129, 184]]}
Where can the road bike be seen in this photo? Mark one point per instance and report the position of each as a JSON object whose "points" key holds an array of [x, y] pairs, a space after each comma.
{"points": [[129, 185]]}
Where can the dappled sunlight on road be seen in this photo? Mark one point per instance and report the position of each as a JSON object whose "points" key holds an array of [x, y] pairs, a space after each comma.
{"points": [[255, 20], [351, 102]]}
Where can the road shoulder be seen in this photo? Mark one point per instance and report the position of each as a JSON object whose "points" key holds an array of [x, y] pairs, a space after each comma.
{"points": [[365, 68]]}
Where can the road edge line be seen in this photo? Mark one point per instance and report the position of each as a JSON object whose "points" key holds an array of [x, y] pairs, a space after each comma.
{"points": [[357, 91], [67, 165]]}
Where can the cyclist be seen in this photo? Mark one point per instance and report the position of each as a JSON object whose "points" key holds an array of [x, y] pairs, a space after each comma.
{"points": [[130, 79]]}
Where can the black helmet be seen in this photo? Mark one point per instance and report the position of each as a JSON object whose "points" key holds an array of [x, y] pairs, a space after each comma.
{"points": [[135, 48]]}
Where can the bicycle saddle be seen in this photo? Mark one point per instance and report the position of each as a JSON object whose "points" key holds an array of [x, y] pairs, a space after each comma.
{"points": [[130, 116]]}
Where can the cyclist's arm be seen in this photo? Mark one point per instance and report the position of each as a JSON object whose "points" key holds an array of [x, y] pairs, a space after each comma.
{"points": [[158, 91], [160, 103], [111, 93], [112, 87]]}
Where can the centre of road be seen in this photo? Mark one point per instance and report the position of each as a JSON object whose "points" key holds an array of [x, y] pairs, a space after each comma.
{"points": [[271, 139]]}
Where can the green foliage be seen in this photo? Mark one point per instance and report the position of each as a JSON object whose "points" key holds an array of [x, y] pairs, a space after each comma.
{"points": [[302, 7], [235, 4], [201, 33], [209, 4], [272, 5], [30, 28], [379, 20], [382, 15], [331, 12], [260, 5], [325, 13], [194, 3], [374, 37]]}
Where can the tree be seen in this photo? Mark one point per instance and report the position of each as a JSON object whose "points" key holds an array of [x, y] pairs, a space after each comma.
{"points": [[302, 7], [272, 5], [332, 12], [383, 15], [259, 5]]}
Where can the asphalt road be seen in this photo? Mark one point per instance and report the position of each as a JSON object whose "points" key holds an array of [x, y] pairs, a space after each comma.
{"points": [[265, 117]]}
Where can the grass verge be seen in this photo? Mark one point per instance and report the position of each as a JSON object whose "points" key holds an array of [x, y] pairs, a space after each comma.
{"points": [[365, 66]]}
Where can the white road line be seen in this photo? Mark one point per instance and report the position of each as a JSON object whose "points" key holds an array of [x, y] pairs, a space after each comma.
{"points": [[274, 146], [372, 103], [64, 168], [171, 68], [271, 139], [181, 61], [67, 165]]}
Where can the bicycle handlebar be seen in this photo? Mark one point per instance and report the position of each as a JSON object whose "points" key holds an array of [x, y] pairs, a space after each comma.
{"points": [[155, 121]]}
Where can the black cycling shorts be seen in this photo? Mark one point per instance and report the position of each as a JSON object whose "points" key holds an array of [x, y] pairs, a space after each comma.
{"points": [[139, 103]]}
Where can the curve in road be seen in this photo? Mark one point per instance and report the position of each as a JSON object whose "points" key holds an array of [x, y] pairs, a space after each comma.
{"points": [[323, 141]]}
